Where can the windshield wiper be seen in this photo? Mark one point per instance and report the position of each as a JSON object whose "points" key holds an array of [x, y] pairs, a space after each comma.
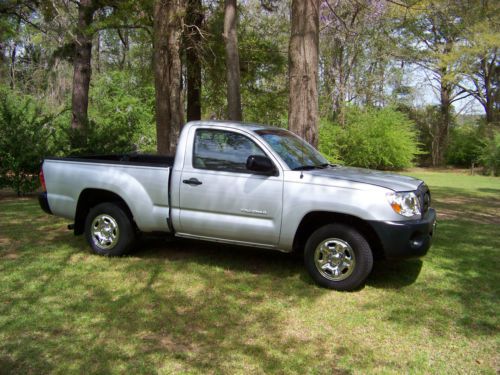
{"points": [[310, 167]]}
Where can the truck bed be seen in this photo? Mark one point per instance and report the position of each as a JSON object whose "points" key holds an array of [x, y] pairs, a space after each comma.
{"points": [[140, 180], [151, 160]]}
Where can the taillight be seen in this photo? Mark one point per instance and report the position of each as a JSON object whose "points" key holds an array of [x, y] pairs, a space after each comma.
{"points": [[42, 180]]}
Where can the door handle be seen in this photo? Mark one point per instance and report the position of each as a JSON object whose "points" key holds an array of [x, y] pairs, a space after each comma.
{"points": [[192, 181]]}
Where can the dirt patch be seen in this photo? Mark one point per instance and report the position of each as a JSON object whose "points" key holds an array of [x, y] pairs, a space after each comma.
{"points": [[466, 171], [477, 210], [8, 194], [166, 342], [9, 255]]}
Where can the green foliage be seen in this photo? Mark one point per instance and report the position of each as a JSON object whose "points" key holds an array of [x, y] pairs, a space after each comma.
{"points": [[330, 140], [263, 66], [26, 136], [427, 122], [465, 145], [121, 115], [490, 155], [372, 138]]}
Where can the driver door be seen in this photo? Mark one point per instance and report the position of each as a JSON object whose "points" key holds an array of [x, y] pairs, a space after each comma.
{"points": [[221, 199]]}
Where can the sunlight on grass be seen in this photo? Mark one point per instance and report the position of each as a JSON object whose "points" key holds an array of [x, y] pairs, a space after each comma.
{"points": [[182, 306]]}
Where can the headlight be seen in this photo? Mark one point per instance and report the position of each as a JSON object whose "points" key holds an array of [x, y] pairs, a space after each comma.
{"points": [[405, 203]]}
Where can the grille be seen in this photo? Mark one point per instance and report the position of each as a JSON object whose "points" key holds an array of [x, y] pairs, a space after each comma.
{"points": [[424, 197]]}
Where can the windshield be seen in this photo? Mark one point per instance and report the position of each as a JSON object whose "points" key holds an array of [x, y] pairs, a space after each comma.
{"points": [[295, 152]]}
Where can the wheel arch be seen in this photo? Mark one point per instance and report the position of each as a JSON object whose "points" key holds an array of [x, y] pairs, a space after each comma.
{"points": [[92, 197], [316, 219]]}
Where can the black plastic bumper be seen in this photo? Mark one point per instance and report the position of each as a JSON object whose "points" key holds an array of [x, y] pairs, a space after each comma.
{"points": [[406, 239], [44, 202]]}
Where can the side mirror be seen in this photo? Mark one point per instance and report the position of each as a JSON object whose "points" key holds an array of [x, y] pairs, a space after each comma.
{"points": [[262, 164]]}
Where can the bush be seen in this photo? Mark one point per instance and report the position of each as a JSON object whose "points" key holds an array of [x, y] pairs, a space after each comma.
{"points": [[372, 138], [465, 146], [25, 138], [121, 116], [490, 155]]}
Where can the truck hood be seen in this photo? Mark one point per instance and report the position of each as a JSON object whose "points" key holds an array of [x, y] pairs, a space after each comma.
{"points": [[387, 180]]}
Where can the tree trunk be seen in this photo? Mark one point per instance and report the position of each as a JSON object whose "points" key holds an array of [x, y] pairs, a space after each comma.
{"points": [[82, 73], [440, 144], [194, 21], [303, 70], [167, 31], [13, 56], [232, 62], [12, 69], [490, 101], [341, 89], [124, 62], [98, 52]]}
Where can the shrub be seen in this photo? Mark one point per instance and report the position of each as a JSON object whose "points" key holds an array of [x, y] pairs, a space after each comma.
{"points": [[25, 138], [465, 146], [121, 115], [490, 155], [371, 138], [330, 140]]}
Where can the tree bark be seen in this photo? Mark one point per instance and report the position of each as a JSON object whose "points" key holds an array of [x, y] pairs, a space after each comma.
{"points": [[13, 56], [167, 32], [303, 70], [440, 143], [194, 22], [232, 62], [98, 52], [82, 73], [124, 61], [490, 71], [12, 69]]}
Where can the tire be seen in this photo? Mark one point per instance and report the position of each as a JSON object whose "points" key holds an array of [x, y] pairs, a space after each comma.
{"points": [[109, 229], [338, 257]]}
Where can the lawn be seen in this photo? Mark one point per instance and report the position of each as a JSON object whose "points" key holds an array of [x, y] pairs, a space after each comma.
{"points": [[180, 306]]}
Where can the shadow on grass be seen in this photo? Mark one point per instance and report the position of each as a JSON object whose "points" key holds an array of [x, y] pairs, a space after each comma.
{"points": [[460, 204], [64, 310], [464, 263], [395, 274], [385, 274], [202, 307], [489, 190], [232, 259]]}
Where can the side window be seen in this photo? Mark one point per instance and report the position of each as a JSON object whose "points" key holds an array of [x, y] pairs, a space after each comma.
{"points": [[221, 150]]}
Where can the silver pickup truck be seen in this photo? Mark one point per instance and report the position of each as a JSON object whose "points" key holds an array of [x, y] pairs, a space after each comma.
{"points": [[245, 184]]}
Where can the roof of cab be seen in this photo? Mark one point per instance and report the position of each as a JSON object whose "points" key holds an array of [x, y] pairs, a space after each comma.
{"points": [[232, 124]]}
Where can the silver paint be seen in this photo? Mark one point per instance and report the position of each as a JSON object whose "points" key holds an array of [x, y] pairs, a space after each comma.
{"points": [[240, 208]]}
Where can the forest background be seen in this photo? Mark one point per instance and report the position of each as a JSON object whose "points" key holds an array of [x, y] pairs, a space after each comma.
{"points": [[383, 84]]}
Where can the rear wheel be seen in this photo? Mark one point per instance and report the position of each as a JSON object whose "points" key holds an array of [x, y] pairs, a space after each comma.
{"points": [[109, 229], [338, 257]]}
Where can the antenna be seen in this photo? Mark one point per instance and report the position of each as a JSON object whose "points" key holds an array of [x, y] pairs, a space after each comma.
{"points": [[302, 156]]}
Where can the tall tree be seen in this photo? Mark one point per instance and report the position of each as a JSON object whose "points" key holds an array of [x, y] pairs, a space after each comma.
{"points": [[82, 71], [477, 66], [303, 70], [167, 34], [431, 32], [232, 61], [192, 37]]}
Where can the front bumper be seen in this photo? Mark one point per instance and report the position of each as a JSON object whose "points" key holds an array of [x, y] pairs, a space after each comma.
{"points": [[406, 239], [44, 202]]}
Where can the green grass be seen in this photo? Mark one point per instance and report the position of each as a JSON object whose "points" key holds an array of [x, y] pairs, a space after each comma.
{"points": [[203, 308]]}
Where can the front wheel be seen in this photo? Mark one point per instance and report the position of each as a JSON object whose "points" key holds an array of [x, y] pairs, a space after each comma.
{"points": [[338, 257], [109, 230]]}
